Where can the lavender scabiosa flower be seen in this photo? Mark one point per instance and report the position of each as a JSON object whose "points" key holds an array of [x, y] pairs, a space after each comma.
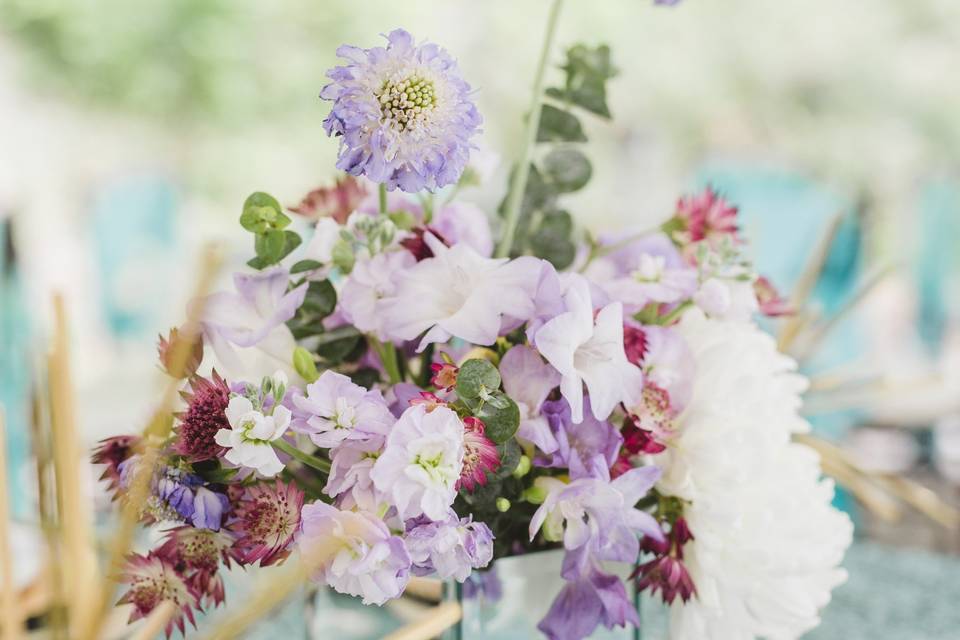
{"points": [[451, 548], [267, 519], [353, 552], [154, 580], [207, 402], [403, 113]]}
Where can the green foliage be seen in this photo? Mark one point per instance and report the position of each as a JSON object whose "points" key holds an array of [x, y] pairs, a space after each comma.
{"points": [[264, 217], [587, 71], [477, 379], [304, 365], [319, 302], [557, 125], [501, 417], [544, 228], [305, 265]]}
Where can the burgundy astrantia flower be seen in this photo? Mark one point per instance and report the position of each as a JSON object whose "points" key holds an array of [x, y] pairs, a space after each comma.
{"points": [[268, 516], [154, 580], [706, 216], [429, 399], [417, 245], [480, 455], [444, 375], [634, 343], [165, 350], [769, 299], [205, 416], [337, 201], [666, 572], [197, 554], [112, 452]]}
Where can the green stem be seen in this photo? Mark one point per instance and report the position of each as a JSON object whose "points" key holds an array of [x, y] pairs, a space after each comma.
{"points": [[388, 356], [673, 315], [305, 458], [383, 198], [533, 125]]}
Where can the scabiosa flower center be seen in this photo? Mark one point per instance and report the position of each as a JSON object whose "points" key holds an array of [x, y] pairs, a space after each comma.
{"points": [[405, 103]]}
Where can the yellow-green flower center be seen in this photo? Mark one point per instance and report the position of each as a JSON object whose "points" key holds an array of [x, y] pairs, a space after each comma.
{"points": [[406, 102]]}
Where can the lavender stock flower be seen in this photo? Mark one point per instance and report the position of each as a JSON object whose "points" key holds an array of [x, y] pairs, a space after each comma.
{"points": [[451, 548], [403, 114]]}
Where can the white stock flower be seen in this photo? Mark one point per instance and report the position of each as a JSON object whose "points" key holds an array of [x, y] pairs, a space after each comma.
{"points": [[248, 442]]}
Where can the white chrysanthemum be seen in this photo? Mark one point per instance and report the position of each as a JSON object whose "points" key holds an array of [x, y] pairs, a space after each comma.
{"points": [[768, 544]]}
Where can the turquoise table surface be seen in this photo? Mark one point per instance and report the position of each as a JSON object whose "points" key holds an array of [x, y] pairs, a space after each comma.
{"points": [[892, 594]]}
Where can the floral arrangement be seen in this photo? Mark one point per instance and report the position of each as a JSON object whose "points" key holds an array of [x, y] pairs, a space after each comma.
{"points": [[402, 396]]}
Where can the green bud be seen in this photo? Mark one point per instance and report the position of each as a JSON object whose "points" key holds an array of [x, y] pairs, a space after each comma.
{"points": [[304, 365], [503, 505], [523, 467], [535, 494]]}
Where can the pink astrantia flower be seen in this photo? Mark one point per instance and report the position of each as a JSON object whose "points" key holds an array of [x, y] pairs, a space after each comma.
{"points": [[153, 580], [480, 455], [353, 552], [207, 402], [429, 400], [706, 216], [337, 201], [769, 299], [266, 520], [165, 351], [444, 375], [113, 452], [666, 572], [197, 554]]}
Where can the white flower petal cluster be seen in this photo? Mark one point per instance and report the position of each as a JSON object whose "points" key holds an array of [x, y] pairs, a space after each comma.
{"points": [[767, 542]]}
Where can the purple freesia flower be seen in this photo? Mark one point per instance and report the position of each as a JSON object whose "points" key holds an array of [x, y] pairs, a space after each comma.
{"points": [[585, 603], [403, 113], [588, 449], [451, 548], [247, 329], [528, 380], [596, 518]]}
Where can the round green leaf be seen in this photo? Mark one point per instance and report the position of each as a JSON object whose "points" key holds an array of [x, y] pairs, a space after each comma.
{"points": [[476, 377], [568, 169], [501, 424]]}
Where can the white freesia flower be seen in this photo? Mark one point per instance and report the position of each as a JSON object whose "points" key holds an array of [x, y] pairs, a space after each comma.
{"points": [[767, 543], [421, 463], [248, 442], [590, 351], [459, 293]]}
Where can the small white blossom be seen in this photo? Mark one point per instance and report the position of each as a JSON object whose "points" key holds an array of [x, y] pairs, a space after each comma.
{"points": [[248, 442]]}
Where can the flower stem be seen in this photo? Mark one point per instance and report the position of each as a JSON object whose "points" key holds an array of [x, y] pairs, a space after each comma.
{"points": [[388, 356], [305, 458], [533, 125], [383, 198]]}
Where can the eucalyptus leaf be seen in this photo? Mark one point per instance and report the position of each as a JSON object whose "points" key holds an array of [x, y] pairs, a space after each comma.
{"points": [[477, 377], [557, 125], [305, 265], [501, 424], [510, 453], [261, 213], [321, 298], [568, 169]]}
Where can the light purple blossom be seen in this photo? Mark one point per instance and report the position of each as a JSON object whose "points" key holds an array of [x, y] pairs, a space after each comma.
{"points": [[451, 548], [669, 364], [403, 113], [647, 270], [596, 518], [588, 350], [193, 502], [350, 481], [421, 463], [588, 449], [354, 553], [335, 409], [585, 603], [369, 282], [464, 222], [459, 293], [246, 329], [528, 380]]}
